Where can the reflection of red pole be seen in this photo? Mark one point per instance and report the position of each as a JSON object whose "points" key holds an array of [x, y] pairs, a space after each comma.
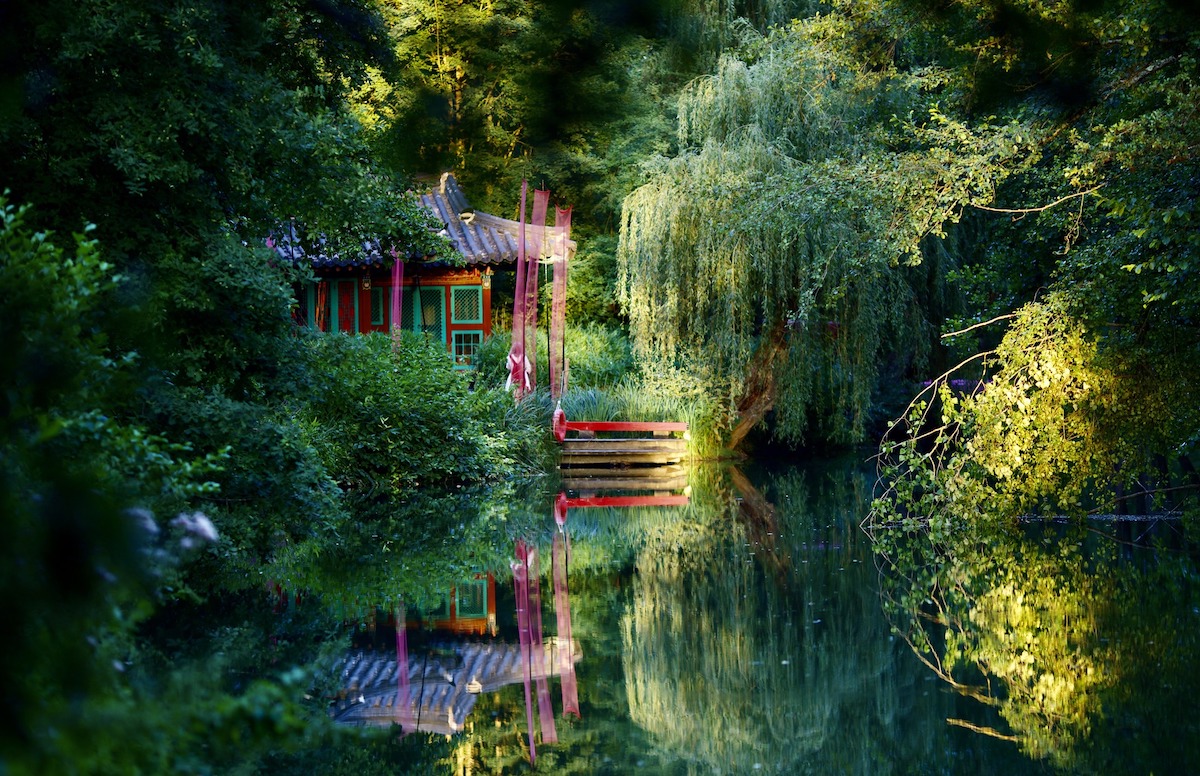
{"points": [[404, 697], [521, 584], [562, 606], [538, 649]]}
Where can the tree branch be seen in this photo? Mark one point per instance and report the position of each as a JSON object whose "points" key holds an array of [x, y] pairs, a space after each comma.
{"points": [[950, 334], [1024, 211], [987, 731]]}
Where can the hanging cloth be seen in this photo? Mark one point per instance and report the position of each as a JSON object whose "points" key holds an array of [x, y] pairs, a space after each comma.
{"points": [[403, 691], [520, 571], [562, 607], [541, 202], [537, 649]]}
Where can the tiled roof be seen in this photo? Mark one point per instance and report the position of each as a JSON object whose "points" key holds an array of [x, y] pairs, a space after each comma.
{"points": [[290, 246], [480, 238], [442, 690]]}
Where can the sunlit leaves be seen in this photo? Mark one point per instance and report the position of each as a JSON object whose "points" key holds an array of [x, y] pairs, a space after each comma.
{"points": [[1070, 635]]}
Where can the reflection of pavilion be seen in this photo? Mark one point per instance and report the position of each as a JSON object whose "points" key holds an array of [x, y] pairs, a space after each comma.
{"points": [[470, 608], [442, 688]]}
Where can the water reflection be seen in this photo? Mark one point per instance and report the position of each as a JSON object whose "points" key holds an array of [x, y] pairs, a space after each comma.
{"points": [[738, 628], [1081, 642], [435, 688], [753, 645]]}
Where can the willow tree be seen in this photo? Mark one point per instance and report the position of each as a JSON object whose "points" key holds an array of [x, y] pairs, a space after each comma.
{"points": [[773, 253]]}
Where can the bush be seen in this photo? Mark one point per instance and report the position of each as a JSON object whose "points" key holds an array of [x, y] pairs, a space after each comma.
{"points": [[387, 420]]}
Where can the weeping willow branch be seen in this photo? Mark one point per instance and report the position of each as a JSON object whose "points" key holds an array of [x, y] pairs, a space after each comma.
{"points": [[759, 257]]}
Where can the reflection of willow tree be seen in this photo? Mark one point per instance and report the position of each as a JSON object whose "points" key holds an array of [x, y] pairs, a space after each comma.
{"points": [[734, 664], [1076, 649]]}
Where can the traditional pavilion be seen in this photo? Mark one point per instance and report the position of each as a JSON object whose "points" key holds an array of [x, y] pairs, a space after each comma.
{"points": [[449, 298]]}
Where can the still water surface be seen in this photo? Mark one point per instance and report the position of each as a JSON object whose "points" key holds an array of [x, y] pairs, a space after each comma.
{"points": [[756, 629]]}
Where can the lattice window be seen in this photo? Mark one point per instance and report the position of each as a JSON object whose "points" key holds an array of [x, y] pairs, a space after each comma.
{"points": [[466, 343], [466, 304], [429, 316], [406, 309], [377, 307], [433, 312], [471, 599]]}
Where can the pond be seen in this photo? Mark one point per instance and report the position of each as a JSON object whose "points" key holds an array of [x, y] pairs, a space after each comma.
{"points": [[747, 624]]}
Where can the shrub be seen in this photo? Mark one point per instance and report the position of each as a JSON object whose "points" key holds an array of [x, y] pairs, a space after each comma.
{"points": [[389, 420]]}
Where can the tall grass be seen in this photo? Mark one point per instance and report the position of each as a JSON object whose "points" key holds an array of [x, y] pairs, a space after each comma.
{"points": [[604, 383], [642, 396], [598, 356]]}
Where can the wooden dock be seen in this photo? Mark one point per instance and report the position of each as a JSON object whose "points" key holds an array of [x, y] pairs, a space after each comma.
{"points": [[622, 452], [643, 478], [586, 454]]}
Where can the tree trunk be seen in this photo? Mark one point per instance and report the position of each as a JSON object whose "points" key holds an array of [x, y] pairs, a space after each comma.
{"points": [[759, 396], [762, 526]]}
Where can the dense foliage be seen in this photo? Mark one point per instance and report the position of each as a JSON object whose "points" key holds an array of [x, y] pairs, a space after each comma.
{"points": [[843, 181], [1088, 398], [169, 436], [815, 163]]}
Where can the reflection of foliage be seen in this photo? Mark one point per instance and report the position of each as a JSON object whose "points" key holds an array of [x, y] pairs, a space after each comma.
{"points": [[731, 666], [1070, 641], [1033, 628], [418, 549], [363, 752]]}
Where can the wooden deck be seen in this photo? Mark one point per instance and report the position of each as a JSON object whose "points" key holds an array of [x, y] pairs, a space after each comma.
{"points": [[583, 450], [622, 452]]}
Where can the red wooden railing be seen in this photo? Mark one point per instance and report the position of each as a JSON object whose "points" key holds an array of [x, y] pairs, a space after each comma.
{"points": [[561, 426]]}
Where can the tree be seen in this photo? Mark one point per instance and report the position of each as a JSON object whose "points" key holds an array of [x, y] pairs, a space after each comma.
{"points": [[769, 253], [156, 457], [1089, 390], [186, 134]]}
